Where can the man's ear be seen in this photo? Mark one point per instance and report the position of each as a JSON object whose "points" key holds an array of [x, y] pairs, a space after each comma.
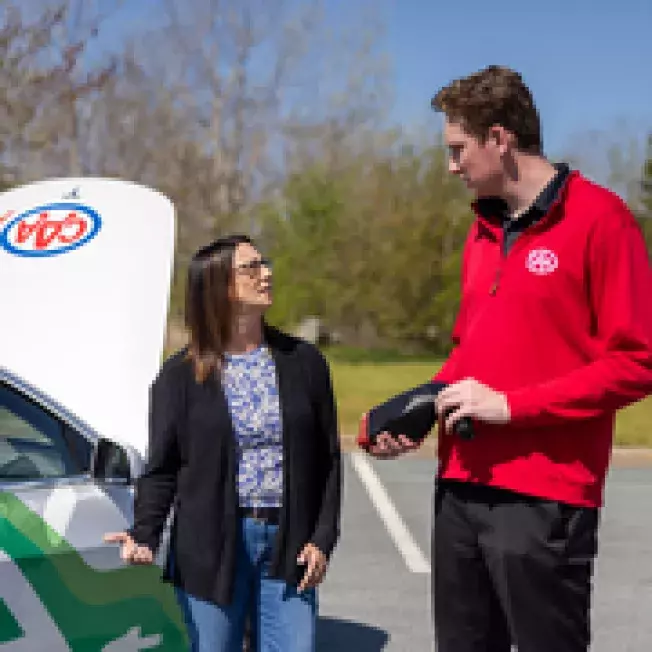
{"points": [[501, 138]]}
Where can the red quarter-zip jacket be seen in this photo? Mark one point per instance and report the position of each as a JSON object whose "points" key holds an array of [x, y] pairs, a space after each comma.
{"points": [[562, 325]]}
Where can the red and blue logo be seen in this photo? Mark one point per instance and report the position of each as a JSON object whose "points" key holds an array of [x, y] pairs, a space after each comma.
{"points": [[49, 230]]}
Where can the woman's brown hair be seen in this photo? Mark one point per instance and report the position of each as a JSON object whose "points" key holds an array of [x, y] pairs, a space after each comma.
{"points": [[208, 307]]}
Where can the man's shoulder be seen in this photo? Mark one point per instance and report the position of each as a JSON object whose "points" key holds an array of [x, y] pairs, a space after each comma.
{"points": [[596, 201]]}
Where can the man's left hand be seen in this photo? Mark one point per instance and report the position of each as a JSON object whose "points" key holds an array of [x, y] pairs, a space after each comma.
{"points": [[316, 564], [470, 398]]}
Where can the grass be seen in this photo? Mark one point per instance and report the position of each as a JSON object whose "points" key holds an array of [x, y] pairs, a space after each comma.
{"points": [[366, 380], [359, 386]]}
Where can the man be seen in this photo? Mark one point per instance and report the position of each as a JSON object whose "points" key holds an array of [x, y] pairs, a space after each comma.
{"points": [[553, 336]]}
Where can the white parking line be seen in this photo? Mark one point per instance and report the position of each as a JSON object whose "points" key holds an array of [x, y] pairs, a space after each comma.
{"points": [[398, 531]]}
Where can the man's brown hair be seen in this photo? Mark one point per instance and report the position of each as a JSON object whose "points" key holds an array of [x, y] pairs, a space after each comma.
{"points": [[493, 96]]}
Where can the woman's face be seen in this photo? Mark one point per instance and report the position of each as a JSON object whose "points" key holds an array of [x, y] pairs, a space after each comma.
{"points": [[252, 278]]}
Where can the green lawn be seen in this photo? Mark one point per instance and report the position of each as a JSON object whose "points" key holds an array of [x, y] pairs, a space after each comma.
{"points": [[360, 385]]}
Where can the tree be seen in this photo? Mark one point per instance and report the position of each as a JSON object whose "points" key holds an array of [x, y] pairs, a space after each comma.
{"points": [[372, 246], [46, 81], [225, 67], [302, 233], [645, 213], [74, 84], [233, 78], [23, 84]]}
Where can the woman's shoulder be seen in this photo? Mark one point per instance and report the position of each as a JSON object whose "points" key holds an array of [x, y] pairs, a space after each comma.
{"points": [[297, 347], [281, 340], [174, 367]]}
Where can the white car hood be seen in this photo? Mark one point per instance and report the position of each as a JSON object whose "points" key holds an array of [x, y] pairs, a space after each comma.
{"points": [[86, 267]]}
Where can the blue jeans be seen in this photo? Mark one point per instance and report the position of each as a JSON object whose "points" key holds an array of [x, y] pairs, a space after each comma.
{"points": [[281, 619]]}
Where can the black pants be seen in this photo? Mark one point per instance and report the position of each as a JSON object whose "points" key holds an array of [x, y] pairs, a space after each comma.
{"points": [[510, 569]]}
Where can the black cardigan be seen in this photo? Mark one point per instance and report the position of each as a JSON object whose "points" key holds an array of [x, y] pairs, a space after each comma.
{"points": [[192, 466]]}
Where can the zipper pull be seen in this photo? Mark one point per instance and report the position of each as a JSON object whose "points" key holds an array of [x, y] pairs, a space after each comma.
{"points": [[495, 284]]}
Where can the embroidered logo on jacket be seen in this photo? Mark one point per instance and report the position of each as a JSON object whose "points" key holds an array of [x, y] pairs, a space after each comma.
{"points": [[542, 261]]}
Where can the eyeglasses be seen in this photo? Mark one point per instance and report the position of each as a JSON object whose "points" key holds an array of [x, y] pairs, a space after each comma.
{"points": [[254, 267]]}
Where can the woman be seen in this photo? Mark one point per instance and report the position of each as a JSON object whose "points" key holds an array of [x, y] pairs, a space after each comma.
{"points": [[244, 443]]}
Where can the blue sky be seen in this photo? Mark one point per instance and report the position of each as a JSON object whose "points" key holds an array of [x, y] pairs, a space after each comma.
{"points": [[588, 62]]}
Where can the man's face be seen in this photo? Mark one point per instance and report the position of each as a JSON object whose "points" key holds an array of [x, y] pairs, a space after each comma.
{"points": [[478, 164]]}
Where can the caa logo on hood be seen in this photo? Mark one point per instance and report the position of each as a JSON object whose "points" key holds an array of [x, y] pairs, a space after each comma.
{"points": [[49, 230]]}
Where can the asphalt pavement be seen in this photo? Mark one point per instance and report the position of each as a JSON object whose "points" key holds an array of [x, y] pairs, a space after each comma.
{"points": [[376, 596]]}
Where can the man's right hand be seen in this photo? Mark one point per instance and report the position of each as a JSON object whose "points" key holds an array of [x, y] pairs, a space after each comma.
{"points": [[388, 447], [130, 551]]}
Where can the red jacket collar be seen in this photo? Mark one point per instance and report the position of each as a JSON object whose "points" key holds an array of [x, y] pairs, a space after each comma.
{"points": [[490, 213]]}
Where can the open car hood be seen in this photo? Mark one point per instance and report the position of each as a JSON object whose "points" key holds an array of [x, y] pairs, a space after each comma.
{"points": [[86, 268]]}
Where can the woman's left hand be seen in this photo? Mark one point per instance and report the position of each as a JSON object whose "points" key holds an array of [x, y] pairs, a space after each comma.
{"points": [[316, 565]]}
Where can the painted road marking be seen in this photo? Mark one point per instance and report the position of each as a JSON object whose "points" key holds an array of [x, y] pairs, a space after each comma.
{"points": [[405, 543]]}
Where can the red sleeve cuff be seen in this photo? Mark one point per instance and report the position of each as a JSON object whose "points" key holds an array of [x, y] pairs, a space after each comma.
{"points": [[363, 439], [520, 404]]}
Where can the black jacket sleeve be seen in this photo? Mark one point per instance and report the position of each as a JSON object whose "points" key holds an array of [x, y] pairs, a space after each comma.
{"points": [[156, 487], [327, 530]]}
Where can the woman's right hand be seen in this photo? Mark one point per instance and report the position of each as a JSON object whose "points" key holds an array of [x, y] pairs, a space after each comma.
{"points": [[130, 551]]}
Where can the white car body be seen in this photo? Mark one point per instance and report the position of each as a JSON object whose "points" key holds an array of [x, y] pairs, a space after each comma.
{"points": [[86, 267]]}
